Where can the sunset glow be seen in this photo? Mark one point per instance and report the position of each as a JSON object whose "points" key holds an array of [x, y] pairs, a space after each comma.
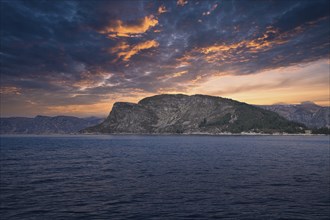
{"points": [[80, 57]]}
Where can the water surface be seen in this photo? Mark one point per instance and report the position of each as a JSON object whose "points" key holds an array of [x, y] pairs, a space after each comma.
{"points": [[164, 177]]}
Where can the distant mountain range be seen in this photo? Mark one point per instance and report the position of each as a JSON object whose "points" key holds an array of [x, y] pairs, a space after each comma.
{"points": [[308, 113], [196, 114], [46, 125]]}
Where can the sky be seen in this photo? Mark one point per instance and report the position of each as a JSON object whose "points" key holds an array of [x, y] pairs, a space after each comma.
{"points": [[79, 57]]}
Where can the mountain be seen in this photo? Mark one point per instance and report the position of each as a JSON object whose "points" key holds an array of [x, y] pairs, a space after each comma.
{"points": [[192, 114], [308, 113], [46, 125]]}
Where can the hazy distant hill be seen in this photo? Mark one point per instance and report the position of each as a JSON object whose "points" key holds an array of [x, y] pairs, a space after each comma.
{"points": [[46, 125], [192, 114], [308, 113]]}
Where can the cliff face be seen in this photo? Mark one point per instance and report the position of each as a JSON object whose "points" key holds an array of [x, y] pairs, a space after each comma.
{"points": [[192, 114], [313, 116]]}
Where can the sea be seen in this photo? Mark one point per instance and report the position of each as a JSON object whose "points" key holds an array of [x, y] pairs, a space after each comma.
{"points": [[164, 177]]}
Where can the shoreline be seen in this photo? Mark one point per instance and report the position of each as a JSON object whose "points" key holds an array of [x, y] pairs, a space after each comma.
{"points": [[165, 134]]}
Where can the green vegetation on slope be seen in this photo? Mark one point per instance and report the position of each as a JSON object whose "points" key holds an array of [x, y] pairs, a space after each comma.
{"points": [[250, 118], [323, 130]]}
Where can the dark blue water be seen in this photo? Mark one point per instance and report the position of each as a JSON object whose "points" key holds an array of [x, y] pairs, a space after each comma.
{"points": [[165, 177]]}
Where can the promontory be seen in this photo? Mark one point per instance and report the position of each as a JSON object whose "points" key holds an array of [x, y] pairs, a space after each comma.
{"points": [[195, 114]]}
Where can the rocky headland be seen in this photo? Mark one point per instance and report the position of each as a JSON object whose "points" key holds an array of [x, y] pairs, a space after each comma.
{"points": [[196, 114]]}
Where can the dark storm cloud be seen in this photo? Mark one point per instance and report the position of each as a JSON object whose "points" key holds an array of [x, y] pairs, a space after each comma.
{"points": [[87, 50], [303, 13]]}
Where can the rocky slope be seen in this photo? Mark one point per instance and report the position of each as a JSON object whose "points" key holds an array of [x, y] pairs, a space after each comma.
{"points": [[308, 113], [46, 125], [192, 114]]}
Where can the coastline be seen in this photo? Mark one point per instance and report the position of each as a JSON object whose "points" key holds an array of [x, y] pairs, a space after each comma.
{"points": [[202, 134], [162, 134]]}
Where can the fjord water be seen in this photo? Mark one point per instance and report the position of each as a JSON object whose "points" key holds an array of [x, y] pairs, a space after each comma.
{"points": [[164, 177]]}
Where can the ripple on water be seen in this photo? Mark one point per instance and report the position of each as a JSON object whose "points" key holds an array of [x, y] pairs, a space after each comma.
{"points": [[164, 177]]}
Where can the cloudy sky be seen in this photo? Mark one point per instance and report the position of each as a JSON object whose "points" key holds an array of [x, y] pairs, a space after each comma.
{"points": [[79, 57]]}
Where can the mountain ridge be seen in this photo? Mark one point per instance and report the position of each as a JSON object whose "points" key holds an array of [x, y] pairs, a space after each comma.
{"points": [[46, 124], [315, 118], [308, 113], [183, 114]]}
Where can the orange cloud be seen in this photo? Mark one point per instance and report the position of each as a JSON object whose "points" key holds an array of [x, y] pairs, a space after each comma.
{"points": [[173, 75], [119, 47], [10, 90], [126, 51], [182, 2], [119, 29], [162, 9], [236, 52], [219, 48], [254, 45], [182, 65], [181, 73]]}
